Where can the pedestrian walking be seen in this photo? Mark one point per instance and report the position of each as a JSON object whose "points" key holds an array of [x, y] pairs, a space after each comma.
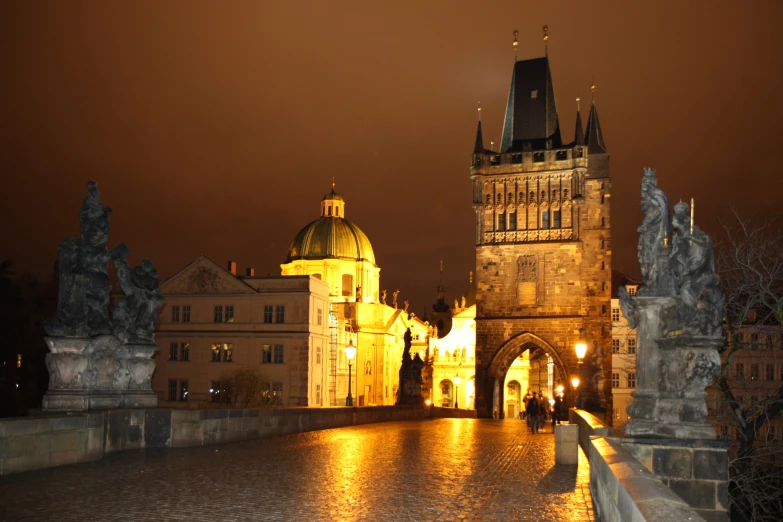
{"points": [[557, 411], [533, 413]]}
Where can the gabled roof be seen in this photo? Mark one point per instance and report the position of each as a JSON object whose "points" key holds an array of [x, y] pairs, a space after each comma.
{"points": [[204, 276], [531, 112]]}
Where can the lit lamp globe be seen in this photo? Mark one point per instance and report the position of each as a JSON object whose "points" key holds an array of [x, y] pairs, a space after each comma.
{"points": [[581, 350], [575, 382], [350, 351]]}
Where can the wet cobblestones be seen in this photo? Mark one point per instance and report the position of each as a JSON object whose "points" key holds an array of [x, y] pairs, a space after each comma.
{"points": [[444, 469]]}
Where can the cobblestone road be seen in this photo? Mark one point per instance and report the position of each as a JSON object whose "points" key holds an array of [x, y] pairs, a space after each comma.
{"points": [[445, 469]]}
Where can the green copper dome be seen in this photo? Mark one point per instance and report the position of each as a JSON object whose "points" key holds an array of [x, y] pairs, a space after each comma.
{"points": [[331, 237]]}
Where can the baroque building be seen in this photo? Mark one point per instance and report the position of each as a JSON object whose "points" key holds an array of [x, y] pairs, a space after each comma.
{"points": [[623, 377], [543, 243]]}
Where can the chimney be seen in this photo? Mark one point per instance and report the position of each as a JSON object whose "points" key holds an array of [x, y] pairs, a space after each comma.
{"points": [[250, 271], [232, 267]]}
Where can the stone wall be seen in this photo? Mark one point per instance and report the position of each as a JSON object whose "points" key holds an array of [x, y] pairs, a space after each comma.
{"points": [[49, 441]]}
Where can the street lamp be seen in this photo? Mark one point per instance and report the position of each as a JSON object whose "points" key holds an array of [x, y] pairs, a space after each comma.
{"points": [[456, 395], [350, 353], [581, 350], [575, 384]]}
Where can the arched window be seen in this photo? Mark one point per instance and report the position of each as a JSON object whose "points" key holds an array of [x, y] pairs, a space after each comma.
{"points": [[336, 210], [330, 210]]}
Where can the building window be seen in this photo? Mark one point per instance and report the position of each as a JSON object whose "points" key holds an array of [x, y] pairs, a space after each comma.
{"points": [[222, 352], [320, 317], [317, 394], [632, 379], [632, 346], [754, 371], [277, 390], [500, 199], [502, 222], [545, 220], [770, 372], [183, 391], [510, 198], [186, 314], [603, 309], [280, 314], [615, 345], [512, 221], [214, 391], [318, 355], [268, 309], [173, 351], [175, 314], [739, 370], [266, 354], [603, 244], [615, 380], [615, 314], [278, 354], [631, 290], [172, 390], [554, 195], [184, 352], [556, 219], [229, 313], [218, 317], [603, 222], [348, 288]]}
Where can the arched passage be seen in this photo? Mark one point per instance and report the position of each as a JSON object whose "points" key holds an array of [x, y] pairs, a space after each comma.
{"points": [[505, 355]]}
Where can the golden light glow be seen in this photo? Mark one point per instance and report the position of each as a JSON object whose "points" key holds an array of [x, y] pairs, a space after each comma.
{"points": [[350, 351], [457, 380], [581, 350], [575, 382], [560, 389], [428, 402]]}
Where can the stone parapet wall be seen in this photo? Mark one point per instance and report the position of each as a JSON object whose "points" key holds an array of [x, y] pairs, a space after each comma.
{"points": [[589, 425], [48, 441]]}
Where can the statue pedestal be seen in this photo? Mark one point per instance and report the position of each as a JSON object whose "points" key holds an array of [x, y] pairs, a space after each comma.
{"points": [[672, 374], [98, 373]]}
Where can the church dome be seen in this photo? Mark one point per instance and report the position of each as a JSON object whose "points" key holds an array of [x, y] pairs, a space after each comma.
{"points": [[331, 236]]}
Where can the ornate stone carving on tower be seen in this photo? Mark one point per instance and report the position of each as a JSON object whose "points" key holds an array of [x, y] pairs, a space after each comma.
{"points": [[97, 360], [678, 314], [543, 243]]}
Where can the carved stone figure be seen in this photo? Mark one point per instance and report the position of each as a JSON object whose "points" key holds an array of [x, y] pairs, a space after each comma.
{"points": [[456, 304], [383, 296], [359, 294], [409, 391], [654, 232], [463, 302], [406, 304], [137, 313], [84, 286], [394, 298]]}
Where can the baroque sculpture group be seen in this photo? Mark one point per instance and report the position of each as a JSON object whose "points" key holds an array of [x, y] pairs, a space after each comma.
{"points": [[679, 314], [98, 359]]}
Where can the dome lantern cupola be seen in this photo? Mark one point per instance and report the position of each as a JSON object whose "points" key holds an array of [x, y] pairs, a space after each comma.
{"points": [[332, 205]]}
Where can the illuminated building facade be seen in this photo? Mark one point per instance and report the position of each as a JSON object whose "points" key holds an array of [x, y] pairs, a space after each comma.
{"points": [[543, 244], [623, 376]]}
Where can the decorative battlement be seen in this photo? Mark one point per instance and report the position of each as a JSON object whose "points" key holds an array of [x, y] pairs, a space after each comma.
{"points": [[491, 163]]}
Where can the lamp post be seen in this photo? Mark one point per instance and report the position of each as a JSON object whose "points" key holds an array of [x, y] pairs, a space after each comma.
{"points": [[456, 394], [575, 384], [350, 353], [581, 350]]}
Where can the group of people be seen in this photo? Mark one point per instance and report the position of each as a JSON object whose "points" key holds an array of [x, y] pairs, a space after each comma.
{"points": [[538, 410]]}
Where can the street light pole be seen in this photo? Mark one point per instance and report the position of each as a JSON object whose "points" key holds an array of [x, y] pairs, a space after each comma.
{"points": [[350, 353], [456, 395]]}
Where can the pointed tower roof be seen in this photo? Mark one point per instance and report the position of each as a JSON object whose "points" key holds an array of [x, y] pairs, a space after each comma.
{"points": [[579, 137], [479, 147], [595, 138], [531, 113]]}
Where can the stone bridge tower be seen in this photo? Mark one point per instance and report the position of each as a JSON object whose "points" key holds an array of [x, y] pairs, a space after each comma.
{"points": [[543, 244]]}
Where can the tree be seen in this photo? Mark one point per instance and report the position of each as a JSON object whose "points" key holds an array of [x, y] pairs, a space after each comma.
{"points": [[749, 399], [246, 387]]}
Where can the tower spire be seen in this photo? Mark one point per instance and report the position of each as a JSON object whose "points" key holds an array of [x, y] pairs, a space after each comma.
{"points": [[515, 44], [478, 148], [594, 138], [579, 137], [546, 40]]}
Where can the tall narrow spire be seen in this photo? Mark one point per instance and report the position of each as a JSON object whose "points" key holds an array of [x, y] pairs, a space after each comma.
{"points": [[546, 40], [579, 137], [479, 147], [594, 138]]}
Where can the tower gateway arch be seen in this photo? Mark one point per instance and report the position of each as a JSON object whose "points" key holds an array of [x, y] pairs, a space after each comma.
{"points": [[543, 244]]}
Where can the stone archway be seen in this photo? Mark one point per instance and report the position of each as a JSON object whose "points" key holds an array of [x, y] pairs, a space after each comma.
{"points": [[505, 356]]}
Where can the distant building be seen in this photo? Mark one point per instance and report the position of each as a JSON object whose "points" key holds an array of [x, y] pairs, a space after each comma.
{"points": [[623, 376]]}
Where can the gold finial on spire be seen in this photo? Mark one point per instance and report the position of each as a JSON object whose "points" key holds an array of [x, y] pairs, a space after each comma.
{"points": [[332, 182], [592, 88], [479, 110], [546, 40], [515, 44], [577, 104], [492, 146]]}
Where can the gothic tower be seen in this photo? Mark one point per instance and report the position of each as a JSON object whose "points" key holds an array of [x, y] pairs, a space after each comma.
{"points": [[543, 245]]}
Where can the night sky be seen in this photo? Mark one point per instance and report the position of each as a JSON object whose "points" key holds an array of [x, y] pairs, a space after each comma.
{"points": [[215, 128]]}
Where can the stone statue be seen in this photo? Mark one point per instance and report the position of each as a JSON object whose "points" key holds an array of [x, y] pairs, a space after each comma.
{"points": [[96, 361], [84, 286], [409, 391], [701, 306], [359, 294], [654, 233], [406, 304], [678, 314], [383, 296], [394, 298], [456, 304], [463, 302], [137, 313]]}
